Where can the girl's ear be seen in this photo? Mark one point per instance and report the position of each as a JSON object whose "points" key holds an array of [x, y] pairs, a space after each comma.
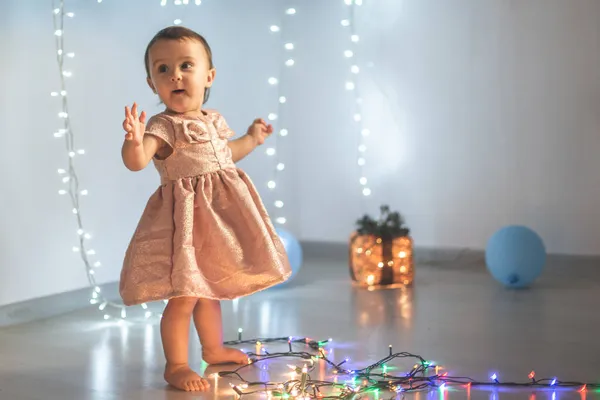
{"points": [[211, 77], [150, 84]]}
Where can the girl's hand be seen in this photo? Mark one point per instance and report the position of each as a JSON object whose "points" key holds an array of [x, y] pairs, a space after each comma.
{"points": [[134, 126], [260, 130]]}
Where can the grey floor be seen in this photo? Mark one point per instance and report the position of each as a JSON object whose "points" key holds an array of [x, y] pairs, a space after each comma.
{"points": [[455, 315]]}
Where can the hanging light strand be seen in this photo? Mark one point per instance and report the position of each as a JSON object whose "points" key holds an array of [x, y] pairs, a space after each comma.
{"points": [[352, 85], [179, 21], [69, 176], [273, 150]]}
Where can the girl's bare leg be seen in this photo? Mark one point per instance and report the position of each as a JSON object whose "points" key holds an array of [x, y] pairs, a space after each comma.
{"points": [[175, 332], [209, 324]]}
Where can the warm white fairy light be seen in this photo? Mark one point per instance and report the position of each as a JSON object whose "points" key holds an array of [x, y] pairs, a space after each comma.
{"points": [[179, 21], [68, 174], [287, 48], [352, 85]]}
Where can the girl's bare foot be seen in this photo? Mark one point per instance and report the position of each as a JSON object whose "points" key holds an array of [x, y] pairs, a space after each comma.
{"points": [[182, 377], [224, 355]]}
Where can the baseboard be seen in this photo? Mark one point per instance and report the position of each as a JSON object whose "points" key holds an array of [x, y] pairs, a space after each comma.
{"points": [[62, 303]]}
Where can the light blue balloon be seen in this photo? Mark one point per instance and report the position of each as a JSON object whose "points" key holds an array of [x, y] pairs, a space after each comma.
{"points": [[293, 250], [515, 256]]}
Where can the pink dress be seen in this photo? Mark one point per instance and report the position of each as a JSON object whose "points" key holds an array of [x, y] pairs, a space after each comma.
{"points": [[205, 231]]}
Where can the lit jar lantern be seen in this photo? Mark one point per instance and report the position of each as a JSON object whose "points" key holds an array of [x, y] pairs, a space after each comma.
{"points": [[381, 252]]}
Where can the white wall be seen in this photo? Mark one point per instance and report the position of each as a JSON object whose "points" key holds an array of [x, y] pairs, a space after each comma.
{"points": [[483, 113]]}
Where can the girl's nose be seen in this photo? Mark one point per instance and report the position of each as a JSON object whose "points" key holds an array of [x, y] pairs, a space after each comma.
{"points": [[176, 76]]}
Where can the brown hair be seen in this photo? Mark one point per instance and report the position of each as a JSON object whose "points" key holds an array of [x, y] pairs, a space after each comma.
{"points": [[179, 33]]}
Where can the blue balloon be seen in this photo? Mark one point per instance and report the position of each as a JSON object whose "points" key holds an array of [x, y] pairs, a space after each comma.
{"points": [[293, 250], [515, 256]]}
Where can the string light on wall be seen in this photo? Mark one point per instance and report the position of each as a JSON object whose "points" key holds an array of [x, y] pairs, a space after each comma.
{"points": [[178, 21], [68, 175], [273, 151], [353, 86]]}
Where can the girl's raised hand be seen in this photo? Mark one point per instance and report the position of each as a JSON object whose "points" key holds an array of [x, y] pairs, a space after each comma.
{"points": [[260, 130], [134, 126]]}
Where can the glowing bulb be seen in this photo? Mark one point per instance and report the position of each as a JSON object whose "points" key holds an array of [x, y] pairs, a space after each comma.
{"points": [[289, 46], [63, 92], [290, 62], [106, 316], [531, 375], [71, 154], [67, 74], [272, 116], [75, 211], [177, 21], [97, 264], [274, 28], [354, 38], [87, 236], [75, 249], [81, 151], [70, 55], [62, 192], [365, 132], [380, 265], [198, 2], [402, 254], [363, 181], [80, 232], [361, 161], [345, 22], [102, 306], [280, 167], [61, 171], [282, 99], [348, 53], [271, 185], [281, 220], [83, 192], [354, 69], [290, 11], [553, 382], [362, 148], [123, 313], [54, 94], [273, 81], [350, 86], [279, 204], [91, 252], [56, 10], [70, 15], [63, 114], [366, 192], [283, 132], [494, 377], [58, 32], [358, 2], [270, 151], [163, 3], [148, 314]]}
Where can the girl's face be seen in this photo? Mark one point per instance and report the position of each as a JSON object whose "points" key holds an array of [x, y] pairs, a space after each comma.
{"points": [[179, 73]]}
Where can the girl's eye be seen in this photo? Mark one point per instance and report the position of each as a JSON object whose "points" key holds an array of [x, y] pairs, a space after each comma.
{"points": [[162, 68], [186, 65]]}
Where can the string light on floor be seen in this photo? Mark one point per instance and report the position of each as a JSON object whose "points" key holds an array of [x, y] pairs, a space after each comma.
{"points": [[352, 86], [68, 175], [379, 378], [272, 151]]}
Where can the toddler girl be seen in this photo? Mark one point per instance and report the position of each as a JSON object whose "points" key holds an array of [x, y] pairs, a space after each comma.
{"points": [[204, 235]]}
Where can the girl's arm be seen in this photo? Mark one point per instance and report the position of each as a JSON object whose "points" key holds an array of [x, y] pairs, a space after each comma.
{"points": [[136, 156], [241, 147], [257, 133]]}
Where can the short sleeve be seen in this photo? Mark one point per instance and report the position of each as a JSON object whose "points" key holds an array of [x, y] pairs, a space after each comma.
{"points": [[161, 127], [223, 130]]}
